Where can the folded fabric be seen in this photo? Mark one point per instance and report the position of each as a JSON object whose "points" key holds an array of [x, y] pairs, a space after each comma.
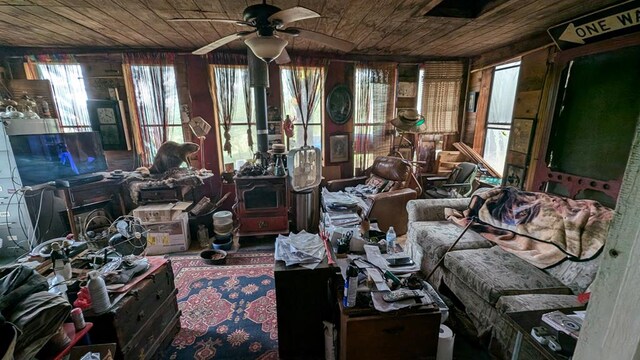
{"points": [[540, 228]]}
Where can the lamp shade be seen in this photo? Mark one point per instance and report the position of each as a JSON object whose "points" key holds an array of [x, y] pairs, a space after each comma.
{"points": [[266, 48]]}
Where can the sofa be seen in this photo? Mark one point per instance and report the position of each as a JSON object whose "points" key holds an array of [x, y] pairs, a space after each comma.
{"points": [[484, 278], [397, 185]]}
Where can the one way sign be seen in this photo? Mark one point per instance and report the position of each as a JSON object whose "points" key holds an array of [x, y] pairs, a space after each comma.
{"points": [[604, 24]]}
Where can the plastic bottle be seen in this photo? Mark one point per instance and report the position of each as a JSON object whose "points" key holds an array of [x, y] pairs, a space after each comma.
{"points": [[350, 286], [391, 240]]}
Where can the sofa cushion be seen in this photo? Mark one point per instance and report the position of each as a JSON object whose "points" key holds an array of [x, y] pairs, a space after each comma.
{"points": [[493, 272], [435, 237], [533, 302], [576, 275]]}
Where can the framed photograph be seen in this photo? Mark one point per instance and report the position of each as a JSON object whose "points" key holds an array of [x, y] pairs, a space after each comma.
{"points": [[339, 104], [407, 89], [339, 148], [106, 118], [521, 135], [514, 176]]}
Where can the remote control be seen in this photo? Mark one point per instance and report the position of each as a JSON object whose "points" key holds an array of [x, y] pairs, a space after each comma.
{"points": [[401, 294]]}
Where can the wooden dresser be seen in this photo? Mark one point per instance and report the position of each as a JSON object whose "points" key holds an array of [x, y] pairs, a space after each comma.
{"points": [[406, 334], [143, 321]]}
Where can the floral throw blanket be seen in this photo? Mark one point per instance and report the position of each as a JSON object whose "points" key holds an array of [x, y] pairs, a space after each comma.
{"points": [[540, 228]]}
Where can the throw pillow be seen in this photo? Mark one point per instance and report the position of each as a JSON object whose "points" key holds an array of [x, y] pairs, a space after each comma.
{"points": [[377, 182]]}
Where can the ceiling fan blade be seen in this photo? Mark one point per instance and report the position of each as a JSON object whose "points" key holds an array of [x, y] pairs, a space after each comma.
{"points": [[220, 42], [230, 21], [296, 13], [283, 58], [327, 40]]}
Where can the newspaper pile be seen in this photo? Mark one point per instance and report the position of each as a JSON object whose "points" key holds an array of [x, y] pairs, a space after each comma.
{"points": [[302, 249]]}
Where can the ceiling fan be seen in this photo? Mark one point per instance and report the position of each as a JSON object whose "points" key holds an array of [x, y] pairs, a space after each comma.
{"points": [[269, 21]]}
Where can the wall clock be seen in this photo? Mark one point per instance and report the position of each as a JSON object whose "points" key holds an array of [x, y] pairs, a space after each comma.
{"points": [[340, 104], [106, 118]]}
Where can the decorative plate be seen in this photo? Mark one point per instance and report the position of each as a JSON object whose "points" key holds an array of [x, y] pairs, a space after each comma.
{"points": [[340, 104]]}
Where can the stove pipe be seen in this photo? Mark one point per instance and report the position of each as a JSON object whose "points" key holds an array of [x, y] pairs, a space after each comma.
{"points": [[259, 81]]}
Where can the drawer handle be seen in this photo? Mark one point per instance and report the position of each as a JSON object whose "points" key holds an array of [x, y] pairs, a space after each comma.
{"points": [[262, 224], [135, 293], [141, 315], [394, 330], [159, 294]]}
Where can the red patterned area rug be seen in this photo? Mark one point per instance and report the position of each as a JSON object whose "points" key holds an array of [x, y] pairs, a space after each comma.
{"points": [[228, 311]]}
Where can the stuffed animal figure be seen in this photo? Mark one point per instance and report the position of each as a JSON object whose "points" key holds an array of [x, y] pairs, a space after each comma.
{"points": [[171, 155]]}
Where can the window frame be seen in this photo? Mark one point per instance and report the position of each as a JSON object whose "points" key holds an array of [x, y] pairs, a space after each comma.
{"points": [[319, 106], [65, 123], [220, 126], [138, 100], [504, 126]]}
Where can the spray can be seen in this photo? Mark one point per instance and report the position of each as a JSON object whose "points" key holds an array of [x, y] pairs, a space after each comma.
{"points": [[350, 286]]}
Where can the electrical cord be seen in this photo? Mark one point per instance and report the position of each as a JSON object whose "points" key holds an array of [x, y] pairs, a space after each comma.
{"points": [[35, 226], [11, 237]]}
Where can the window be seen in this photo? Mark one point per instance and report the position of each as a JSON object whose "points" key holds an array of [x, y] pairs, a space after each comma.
{"points": [[70, 95], [156, 97], [503, 94], [439, 88], [374, 106], [240, 149], [290, 107]]}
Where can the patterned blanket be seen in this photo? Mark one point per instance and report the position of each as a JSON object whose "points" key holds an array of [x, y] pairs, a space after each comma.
{"points": [[540, 228]]}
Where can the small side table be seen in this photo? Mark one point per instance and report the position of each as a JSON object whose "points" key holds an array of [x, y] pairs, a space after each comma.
{"points": [[523, 322], [370, 334]]}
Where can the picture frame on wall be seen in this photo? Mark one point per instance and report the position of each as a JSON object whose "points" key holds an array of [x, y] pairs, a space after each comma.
{"points": [[514, 176], [521, 132], [106, 118], [339, 148], [472, 102]]}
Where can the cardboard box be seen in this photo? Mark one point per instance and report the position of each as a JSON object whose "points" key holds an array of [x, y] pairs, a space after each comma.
{"points": [[168, 236], [153, 213]]}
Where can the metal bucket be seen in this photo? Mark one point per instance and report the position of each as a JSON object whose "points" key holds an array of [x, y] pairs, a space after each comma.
{"points": [[306, 210]]}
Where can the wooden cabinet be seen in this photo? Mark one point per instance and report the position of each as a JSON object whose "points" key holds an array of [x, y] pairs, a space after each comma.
{"points": [[302, 303], [368, 334], [144, 320], [262, 205]]}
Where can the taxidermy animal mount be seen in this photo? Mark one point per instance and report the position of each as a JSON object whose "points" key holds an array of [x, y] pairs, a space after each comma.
{"points": [[171, 155]]}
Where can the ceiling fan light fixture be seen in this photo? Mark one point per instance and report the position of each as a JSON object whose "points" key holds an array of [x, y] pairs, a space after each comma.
{"points": [[266, 48]]}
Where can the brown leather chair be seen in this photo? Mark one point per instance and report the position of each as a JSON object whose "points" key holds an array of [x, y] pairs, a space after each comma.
{"points": [[389, 208]]}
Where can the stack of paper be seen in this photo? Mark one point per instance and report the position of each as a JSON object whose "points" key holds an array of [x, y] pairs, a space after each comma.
{"points": [[303, 248]]}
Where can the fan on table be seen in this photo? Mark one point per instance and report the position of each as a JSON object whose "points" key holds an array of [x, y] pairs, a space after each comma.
{"points": [[269, 21], [305, 168]]}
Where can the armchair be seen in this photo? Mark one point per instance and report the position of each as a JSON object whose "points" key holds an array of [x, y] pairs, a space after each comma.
{"points": [[388, 208], [457, 184]]}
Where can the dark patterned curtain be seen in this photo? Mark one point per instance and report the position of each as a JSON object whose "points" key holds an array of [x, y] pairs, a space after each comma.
{"points": [[375, 106], [155, 111], [306, 84], [224, 75]]}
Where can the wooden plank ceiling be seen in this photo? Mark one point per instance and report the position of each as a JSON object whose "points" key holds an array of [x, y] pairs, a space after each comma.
{"points": [[378, 27]]}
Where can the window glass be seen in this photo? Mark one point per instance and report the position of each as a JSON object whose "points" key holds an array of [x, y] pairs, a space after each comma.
{"points": [[240, 149], [501, 102], [290, 107], [70, 95]]}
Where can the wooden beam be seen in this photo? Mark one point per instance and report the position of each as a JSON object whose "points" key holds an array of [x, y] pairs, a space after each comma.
{"points": [[427, 7], [513, 50]]}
